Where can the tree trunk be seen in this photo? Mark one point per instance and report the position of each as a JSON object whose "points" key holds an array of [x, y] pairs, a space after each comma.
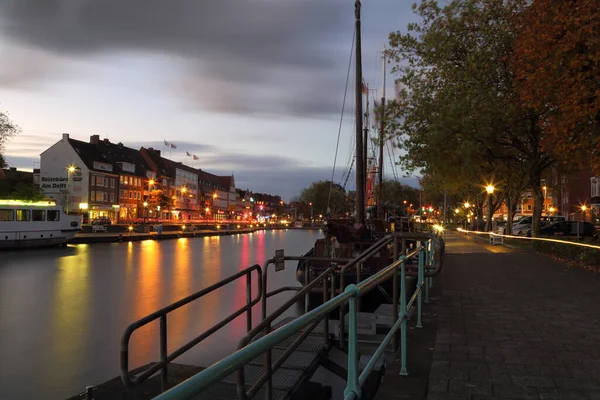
{"points": [[538, 199]]}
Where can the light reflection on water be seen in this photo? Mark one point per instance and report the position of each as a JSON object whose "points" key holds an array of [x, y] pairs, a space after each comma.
{"points": [[63, 310]]}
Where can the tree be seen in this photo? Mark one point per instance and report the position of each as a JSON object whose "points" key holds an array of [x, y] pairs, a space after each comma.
{"points": [[19, 185], [395, 193], [157, 199], [458, 116], [318, 195], [7, 130], [557, 66]]}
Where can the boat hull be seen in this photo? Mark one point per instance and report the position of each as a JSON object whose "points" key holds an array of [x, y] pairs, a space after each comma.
{"points": [[34, 224]]}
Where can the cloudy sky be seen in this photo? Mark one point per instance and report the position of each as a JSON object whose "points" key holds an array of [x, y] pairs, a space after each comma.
{"points": [[253, 87]]}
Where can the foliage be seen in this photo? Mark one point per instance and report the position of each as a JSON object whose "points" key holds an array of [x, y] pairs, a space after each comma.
{"points": [[457, 116], [318, 195], [585, 256], [7, 130], [557, 66], [395, 193], [158, 198], [19, 185]]}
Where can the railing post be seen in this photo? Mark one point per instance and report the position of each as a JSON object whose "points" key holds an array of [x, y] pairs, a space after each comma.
{"points": [[352, 385], [269, 367], [326, 319], [358, 269], [164, 374], [395, 294], [422, 283], [249, 301], [342, 343], [264, 294], [403, 324], [307, 295]]}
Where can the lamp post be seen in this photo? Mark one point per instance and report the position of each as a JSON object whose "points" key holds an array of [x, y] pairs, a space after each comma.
{"points": [[583, 209], [311, 214], [145, 211], [70, 171], [490, 191], [467, 205]]}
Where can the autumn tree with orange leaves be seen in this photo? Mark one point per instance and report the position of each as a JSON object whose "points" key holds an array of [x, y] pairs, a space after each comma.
{"points": [[556, 62]]}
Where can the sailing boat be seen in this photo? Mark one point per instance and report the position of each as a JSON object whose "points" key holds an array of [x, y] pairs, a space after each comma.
{"points": [[347, 238]]}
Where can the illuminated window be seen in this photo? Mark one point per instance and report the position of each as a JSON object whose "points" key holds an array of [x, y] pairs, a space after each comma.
{"points": [[6, 215], [23, 215]]}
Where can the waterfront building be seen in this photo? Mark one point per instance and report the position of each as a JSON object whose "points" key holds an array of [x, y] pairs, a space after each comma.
{"points": [[78, 177], [104, 179]]}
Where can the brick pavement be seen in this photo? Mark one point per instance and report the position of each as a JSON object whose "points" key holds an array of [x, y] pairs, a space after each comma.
{"points": [[514, 325]]}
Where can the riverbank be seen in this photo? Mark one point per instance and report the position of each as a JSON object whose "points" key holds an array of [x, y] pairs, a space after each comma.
{"points": [[134, 235]]}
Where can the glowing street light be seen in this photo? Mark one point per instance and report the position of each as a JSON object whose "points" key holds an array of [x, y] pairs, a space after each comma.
{"points": [[490, 191]]}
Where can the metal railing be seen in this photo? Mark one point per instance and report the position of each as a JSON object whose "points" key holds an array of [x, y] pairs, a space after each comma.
{"points": [[161, 314], [430, 250]]}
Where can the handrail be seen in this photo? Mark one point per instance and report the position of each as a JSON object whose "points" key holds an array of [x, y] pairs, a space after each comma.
{"points": [[266, 324], [162, 315], [197, 383]]}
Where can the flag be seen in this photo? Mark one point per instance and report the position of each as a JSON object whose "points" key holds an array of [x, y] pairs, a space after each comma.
{"points": [[172, 145], [364, 88], [195, 157], [188, 154], [166, 143]]}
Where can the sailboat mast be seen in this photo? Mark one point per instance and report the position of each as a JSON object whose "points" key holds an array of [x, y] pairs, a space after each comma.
{"points": [[360, 167], [381, 136], [366, 140]]}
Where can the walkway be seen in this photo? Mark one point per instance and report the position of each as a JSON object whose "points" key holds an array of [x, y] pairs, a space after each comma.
{"points": [[514, 325]]}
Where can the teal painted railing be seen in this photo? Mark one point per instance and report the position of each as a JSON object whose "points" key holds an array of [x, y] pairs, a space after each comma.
{"points": [[430, 250]]}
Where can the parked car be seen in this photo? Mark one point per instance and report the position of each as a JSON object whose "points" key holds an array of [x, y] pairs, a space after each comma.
{"points": [[570, 228], [523, 226], [101, 221]]}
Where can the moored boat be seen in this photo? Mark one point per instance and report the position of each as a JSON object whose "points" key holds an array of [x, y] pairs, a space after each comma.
{"points": [[35, 224]]}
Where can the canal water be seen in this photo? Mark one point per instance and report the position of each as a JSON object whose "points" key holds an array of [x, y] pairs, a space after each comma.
{"points": [[63, 310]]}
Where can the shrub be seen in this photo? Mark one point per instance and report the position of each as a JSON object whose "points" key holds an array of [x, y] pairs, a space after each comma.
{"points": [[583, 256]]}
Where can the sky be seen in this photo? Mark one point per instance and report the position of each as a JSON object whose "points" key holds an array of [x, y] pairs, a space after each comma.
{"points": [[254, 87]]}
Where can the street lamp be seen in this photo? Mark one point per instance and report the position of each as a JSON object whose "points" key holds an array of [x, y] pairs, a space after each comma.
{"points": [[311, 212], [490, 191], [70, 171], [583, 208], [467, 205], [145, 211]]}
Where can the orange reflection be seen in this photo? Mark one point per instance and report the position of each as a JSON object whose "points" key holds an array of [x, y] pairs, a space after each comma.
{"points": [[70, 319], [178, 320], [146, 300]]}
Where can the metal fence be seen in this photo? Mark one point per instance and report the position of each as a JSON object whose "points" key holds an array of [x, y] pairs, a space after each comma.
{"points": [[429, 249]]}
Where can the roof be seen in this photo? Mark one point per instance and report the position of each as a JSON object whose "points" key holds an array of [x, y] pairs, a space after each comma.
{"points": [[213, 181], [110, 153]]}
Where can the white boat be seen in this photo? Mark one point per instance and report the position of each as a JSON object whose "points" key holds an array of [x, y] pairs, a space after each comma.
{"points": [[35, 224]]}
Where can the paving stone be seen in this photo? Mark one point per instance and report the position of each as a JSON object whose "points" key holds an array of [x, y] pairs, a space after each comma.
{"points": [[520, 325], [537, 381], [467, 387], [515, 392], [437, 385], [575, 383]]}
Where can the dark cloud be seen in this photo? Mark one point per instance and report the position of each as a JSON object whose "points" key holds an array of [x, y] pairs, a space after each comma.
{"points": [[269, 56]]}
